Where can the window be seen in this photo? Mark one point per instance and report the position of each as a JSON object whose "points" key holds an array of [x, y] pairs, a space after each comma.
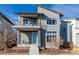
{"points": [[54, 32], [52, 38], [51, 32], [48, 38], [34, 22], [48, 21], [48, 31], [1, 20], [1, 34], [51, 21], [25, 21]]}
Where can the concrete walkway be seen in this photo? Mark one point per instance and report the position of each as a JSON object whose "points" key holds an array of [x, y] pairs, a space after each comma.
{"points": [[49, 45], [34, 50]]}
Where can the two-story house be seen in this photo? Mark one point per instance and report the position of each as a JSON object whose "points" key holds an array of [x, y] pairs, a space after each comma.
{"points": [[70, 31], [41, 28], [5, 26]]}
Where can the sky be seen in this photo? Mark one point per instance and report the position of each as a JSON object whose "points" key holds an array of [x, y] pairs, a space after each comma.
{"points": [[9, 10]]}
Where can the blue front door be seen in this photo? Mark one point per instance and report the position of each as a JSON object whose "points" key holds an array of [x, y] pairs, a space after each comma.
{"points": [[34, 36]]}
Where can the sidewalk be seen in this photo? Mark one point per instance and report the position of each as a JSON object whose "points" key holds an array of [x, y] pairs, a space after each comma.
{"points": [[34, 50]]}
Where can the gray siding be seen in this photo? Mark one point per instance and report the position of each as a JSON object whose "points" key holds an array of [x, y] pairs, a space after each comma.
{"points": [[50, 14]]}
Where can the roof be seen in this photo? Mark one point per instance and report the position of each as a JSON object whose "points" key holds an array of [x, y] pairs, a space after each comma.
{"points": [[66, 21], [6, 18], [51, 10], [71, 18], [26, 14], [40, 13]]}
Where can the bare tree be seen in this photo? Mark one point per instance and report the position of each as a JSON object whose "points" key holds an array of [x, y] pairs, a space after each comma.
{"points": [[11, 40]]}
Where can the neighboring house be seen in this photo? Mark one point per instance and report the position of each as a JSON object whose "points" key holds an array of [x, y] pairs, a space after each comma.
{"points": [[70, 31], [5, 26], [41, 28]]}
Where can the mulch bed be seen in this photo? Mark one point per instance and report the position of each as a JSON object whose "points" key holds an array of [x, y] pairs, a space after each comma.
{"points": [[54, 51], [16, 50]]}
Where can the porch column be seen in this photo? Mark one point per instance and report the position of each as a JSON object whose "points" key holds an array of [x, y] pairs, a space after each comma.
{"points": [[39, 37], [18, 37]]}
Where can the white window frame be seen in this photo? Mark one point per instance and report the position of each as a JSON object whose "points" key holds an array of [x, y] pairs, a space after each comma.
{"points": [[25, 22], [52, 20]]}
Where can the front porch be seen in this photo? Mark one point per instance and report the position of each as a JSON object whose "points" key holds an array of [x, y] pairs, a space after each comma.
{"points": [[28, 35]]}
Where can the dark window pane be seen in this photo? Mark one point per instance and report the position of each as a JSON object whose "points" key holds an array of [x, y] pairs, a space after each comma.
{"points": [[48, 21], [34, 22], [48, 38], [54, 22], [25, 21]]}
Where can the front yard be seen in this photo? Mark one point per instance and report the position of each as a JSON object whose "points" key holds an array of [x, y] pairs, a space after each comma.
{"points": [[15, 51], [59, 52], [25, 51], [55, 52]]}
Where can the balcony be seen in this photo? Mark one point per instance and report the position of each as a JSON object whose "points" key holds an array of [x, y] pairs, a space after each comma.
{"points": [[27, 28], [29, 22]]}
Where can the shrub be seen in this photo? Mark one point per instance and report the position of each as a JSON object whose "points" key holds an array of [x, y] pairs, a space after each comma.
{"points": [[71, 45], [67, 45], [1, 44], [11, 40]]}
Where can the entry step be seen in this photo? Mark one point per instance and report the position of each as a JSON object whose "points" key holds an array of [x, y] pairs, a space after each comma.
{"points": [[34, 50]]}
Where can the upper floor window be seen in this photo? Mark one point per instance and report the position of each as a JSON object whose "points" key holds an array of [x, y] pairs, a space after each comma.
{"points": [[34, 22], [51, 21], [25, 21], [48, 21]]}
